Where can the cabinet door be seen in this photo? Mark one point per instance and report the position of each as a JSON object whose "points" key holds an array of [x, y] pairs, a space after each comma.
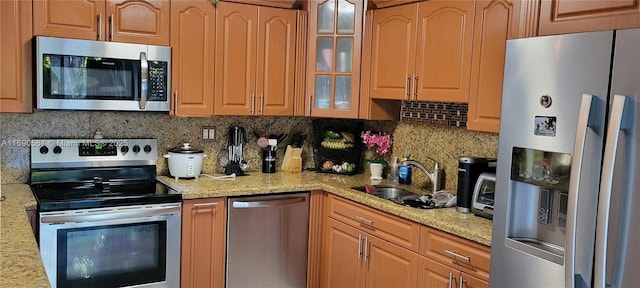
{"points": [[569, 16], [15, 56], [434, 274], [203, 243], [496, 21], [276, 61], [333, 65], [393, 44], [342, 254], [193, 31], [469, 281], [236, 52], [83, 19], [443, 55], [388, 265], [139, 21]]}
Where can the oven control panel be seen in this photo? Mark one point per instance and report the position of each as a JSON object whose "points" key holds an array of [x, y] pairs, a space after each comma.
{"points": [[55, 153]]}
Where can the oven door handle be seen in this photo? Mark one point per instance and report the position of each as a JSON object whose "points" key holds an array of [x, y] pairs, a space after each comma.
{"points": [[110, 215], [144, 80]]}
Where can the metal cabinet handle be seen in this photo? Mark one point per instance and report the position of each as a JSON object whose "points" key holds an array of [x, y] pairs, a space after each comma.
{"points": [[365, 220], [310, 104], [144, 80], [111, 18], [456, 255], [175, 102], [100, 26], [406, 87], [449, 285], [359, 246], [366, 249], [261, 103], [253, 102], [461, 282], [205, 204], [414, 87]]}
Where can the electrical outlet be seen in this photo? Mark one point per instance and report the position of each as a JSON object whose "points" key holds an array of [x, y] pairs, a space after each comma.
{"points": [[208, 133]]}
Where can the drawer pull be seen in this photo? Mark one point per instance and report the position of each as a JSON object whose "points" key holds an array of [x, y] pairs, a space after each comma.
{"points": [[364, 220], [458, 256]]}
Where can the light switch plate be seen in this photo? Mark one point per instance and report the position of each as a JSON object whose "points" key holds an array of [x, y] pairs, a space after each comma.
{"points": [[208, 133]]}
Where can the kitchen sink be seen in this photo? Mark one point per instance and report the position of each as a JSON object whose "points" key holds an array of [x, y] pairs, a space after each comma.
{"points": [[391, 193]]}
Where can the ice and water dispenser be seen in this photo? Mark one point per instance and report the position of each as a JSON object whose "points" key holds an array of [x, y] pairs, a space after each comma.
{"points": [[538, 196]]}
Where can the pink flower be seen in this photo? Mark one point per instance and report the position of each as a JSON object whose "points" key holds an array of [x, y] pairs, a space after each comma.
{"points": [[380, 143]]}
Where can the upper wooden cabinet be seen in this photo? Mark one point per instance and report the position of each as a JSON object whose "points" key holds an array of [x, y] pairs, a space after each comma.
{"points": [[15, 56], [255, 64], [496, 21], [271, 3], [203, 243], [133, 21], [422, 51], [192, 41], [569, 16], [333, 53]]}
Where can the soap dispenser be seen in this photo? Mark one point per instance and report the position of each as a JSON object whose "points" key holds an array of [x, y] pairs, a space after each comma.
{"points": [[393, 176], [404, 172]]}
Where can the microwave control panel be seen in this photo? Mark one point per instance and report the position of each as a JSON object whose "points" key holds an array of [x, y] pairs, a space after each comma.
{"points": [[157, 81]]}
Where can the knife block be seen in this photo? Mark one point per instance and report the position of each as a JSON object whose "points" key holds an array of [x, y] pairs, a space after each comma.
{"points": [[292, 161]]}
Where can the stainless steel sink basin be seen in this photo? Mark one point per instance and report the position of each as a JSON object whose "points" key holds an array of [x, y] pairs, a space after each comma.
{"points": [[391, 193]]}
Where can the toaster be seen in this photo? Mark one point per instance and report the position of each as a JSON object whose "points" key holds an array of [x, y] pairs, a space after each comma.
{"points": [[482, 203]]}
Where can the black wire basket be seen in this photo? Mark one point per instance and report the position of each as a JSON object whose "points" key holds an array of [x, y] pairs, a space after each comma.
{"points": [[336, 142]]}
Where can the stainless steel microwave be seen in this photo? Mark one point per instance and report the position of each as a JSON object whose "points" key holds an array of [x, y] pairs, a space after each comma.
{"points": [[76, 74]]}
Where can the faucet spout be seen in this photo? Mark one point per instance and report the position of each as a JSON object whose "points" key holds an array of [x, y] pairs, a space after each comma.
{"points": [[435, 177]]}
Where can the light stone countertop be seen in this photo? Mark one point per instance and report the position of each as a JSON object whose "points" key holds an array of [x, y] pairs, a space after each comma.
{"points": [[20, 263], [465, 225], [21, 266]]}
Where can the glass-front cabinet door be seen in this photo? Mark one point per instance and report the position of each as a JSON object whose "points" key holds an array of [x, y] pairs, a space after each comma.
{"points": [[335, 47]]}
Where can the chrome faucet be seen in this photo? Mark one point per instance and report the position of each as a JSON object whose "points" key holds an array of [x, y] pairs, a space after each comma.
{"points": [[435, 177]]}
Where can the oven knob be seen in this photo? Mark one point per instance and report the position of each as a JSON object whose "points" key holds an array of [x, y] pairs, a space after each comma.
{"points": [[147, 148], [124, 149], [136, 148], [44, 150], [57, 150]]}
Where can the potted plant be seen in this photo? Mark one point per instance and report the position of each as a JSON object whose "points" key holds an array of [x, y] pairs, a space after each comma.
{"points": [[381, 146]]}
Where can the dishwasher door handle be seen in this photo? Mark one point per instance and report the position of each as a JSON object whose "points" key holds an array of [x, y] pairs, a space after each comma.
{"points": [[268, 203]]}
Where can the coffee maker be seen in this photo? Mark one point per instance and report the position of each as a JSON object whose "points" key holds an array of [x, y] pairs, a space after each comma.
{"points": [[469, 169]]}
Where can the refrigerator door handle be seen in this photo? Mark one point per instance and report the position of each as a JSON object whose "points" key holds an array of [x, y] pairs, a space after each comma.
{"points": [[618, 121], [586, 119]]}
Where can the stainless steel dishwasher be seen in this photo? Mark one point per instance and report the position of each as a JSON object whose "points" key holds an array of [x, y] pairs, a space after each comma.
{"points": [[267, 240]]}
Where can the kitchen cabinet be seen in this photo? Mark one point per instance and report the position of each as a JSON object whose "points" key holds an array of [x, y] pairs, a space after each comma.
{"points": [[15, 56], [496, 21], [422, 51], [357, 250], [333, 58], [434, 274], [255, 60], [270, 3], [132, 21], [193, 38], [568, 16], [203, 243], [461, 255]]}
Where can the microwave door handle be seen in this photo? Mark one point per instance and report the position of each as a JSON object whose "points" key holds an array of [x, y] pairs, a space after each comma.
{"points": [[586, 119], [144, 77], [618, 121]]}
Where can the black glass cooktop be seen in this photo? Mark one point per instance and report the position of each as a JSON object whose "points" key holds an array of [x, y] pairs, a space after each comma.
{"points": [[83, 195]]}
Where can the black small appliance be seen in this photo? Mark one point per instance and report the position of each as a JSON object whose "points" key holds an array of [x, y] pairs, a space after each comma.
{"points": [[469, 168]]}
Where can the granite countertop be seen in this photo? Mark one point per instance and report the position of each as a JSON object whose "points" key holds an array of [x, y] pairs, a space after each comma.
{"points": [[465, 225], [20, 263]]}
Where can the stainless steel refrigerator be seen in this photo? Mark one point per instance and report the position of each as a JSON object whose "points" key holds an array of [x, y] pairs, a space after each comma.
{"points": [[568, 176]]}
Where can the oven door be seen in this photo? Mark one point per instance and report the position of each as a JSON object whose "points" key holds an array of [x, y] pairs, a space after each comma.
{"points": [[96, 75], [112, 247]]}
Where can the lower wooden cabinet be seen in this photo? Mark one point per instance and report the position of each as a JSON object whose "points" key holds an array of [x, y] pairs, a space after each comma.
{"points": [[353, 258], [434, 274], [203, 243]]}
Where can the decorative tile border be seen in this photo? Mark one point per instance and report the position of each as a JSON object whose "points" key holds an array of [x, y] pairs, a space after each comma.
{"points": [[441, 113]]}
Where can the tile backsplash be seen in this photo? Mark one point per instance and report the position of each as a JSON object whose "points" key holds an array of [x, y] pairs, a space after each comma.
{"points": [[443, 143]]}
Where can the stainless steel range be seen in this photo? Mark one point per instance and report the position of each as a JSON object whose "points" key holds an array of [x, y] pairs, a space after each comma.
{"points": [[104, 219]]}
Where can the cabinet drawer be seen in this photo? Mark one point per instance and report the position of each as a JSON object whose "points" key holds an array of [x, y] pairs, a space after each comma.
{"points": [[465, 255], [397, 230]]}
